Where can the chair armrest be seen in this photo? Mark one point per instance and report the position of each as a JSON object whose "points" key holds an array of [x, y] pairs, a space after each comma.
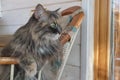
{"points": [[70, 10]]}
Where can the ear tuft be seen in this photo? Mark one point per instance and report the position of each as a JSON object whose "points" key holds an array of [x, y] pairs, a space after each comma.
{"points": [[57, 9]]}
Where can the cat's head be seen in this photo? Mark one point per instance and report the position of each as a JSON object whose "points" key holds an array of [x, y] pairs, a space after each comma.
{"points": [[48, 17], [43, 14]]}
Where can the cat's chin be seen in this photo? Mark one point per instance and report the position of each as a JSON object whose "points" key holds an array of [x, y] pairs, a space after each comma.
{"points": [[56, 36], [53, 36]]}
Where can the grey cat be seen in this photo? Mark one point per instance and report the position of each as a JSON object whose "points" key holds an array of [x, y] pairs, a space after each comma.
{"points": [[34, 44]]}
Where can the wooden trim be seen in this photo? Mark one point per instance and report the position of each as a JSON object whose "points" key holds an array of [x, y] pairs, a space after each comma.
{"points": [[101, 40], [96, 40]]}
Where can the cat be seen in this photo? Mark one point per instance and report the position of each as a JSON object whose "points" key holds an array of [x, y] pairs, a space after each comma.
{"points": [[34, 44]]}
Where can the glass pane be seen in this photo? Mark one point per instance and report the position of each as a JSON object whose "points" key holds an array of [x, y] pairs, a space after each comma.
{"points": [[116, 25]]}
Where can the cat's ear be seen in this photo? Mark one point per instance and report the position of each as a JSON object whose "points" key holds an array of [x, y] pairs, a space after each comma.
{"points": [[55, 13], [39, 10], [57, 9]]}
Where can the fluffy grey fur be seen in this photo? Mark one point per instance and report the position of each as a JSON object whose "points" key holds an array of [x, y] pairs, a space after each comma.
{"points": [[34, 44]]}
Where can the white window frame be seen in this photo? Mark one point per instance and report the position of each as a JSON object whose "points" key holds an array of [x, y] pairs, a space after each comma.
{"points": [[87, 41]]}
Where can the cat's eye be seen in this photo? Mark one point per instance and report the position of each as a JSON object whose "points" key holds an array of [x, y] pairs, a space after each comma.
{"points": [[53, 25]]}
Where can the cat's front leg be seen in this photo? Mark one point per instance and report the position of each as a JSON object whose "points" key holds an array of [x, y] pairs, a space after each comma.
{"points": [[29, 66]]}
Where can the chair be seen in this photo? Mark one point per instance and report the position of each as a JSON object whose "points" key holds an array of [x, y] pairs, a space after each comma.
{"points": [[67, 39]]}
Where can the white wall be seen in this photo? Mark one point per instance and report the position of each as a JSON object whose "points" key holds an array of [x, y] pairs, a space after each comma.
{"points": [[17, 12]]}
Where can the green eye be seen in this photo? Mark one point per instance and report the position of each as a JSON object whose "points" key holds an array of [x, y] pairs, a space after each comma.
{"points": [[53, 25]]}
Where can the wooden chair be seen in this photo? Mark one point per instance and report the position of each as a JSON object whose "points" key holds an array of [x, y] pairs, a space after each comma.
{"points": [[64, 38]]}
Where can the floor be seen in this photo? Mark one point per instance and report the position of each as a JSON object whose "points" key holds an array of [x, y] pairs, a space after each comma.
{"points": [[72, 69]]}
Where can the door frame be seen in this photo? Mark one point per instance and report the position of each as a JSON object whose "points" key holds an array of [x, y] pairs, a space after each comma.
{"points": [[102, 28]]}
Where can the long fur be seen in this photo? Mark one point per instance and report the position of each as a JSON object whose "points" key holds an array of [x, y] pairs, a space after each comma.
{"points": [[34, 44]]}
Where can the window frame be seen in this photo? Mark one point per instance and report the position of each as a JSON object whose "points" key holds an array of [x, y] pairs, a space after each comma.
{"points": [[87, 40]]}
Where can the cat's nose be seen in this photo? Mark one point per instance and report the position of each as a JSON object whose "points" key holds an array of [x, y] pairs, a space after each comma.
{"points": [[59, 29]]}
